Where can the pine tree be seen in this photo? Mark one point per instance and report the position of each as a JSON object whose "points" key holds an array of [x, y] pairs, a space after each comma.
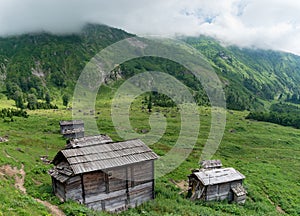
{"points": [[48, 98], [65, 99]]}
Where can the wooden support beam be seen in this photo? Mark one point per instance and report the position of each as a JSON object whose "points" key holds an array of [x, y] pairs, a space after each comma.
{"points": [[82, 188]]}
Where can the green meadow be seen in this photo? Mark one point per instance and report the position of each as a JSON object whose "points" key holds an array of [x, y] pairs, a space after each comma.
{"points": [[267, 154]]}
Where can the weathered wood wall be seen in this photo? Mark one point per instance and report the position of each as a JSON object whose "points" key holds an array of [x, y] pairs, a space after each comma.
{"points": [[119, 188], [142, 189], [74, 189], [142, 172], [94, 183], [213, 192], [221, 191], [59, 189], [113, 190], [140, 194]]}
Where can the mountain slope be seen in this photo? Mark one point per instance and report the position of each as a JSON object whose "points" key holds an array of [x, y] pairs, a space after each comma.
{"points": [[38, 62], [42, 64], [264, 74]]}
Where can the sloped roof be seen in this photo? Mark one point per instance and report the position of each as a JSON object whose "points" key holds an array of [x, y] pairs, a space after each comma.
{"points": [[104, 156], [62, 172], [218, 176], [210, 164], [89, 141]]}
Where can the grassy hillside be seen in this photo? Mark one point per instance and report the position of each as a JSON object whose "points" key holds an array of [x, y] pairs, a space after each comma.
{"points": [[267, 154]]}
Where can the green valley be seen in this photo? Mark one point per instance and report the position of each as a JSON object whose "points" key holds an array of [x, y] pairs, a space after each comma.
{"points": [[42, 69]]}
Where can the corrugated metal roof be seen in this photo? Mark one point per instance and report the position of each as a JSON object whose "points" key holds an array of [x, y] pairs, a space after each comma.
{"points": [[89, 141], [74, 122], [107, 155], [218, 176]]}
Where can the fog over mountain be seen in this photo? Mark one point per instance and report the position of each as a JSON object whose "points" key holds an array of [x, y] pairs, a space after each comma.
{"points": [[268, 24]]}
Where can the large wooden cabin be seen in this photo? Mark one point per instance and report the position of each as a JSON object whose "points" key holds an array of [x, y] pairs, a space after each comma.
{"points": [[104, 175]]}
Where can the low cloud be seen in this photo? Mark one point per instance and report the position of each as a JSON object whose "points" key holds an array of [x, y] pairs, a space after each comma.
{"points": [[270, 24]]}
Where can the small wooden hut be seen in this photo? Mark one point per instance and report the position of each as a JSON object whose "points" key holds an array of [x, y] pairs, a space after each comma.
{"points": [[215, 184], [105, 175], [72, 129]]}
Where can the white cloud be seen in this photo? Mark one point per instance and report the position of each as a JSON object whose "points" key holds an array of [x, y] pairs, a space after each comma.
{"points": [[262, 23]]}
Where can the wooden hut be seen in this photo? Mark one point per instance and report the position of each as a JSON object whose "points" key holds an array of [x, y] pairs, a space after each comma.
{"points": [[72, 129], [217, 184], [105, 176]]}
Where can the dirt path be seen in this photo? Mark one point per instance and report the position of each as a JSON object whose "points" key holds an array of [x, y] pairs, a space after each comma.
{"points": [[53, 209], [278, 208], [19, 179], [183, 185], [19, 176], [6, 154]]}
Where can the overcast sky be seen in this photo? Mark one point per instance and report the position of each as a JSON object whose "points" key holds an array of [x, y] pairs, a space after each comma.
{"points": [[260, 23]]}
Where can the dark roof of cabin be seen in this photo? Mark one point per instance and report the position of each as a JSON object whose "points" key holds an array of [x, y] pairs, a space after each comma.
{"points": [[104, 156], [89, 141], [74, 122], [218, 176]]}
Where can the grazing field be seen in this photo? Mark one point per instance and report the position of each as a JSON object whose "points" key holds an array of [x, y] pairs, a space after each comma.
{"points": [[267, 154]]}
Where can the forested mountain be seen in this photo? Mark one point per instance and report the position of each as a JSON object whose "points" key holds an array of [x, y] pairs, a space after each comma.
{"points": [[252, 73], [45, 65]]}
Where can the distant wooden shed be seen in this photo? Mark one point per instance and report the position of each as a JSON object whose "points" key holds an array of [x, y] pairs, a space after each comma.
{"points": [[217, 184], [72, 129], [105, 175]]}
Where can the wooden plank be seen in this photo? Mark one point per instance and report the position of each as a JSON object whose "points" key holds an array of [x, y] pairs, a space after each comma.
{"points": [[136, 193], [112, 204], [104, 196], [141, 187], [97, 206]]}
